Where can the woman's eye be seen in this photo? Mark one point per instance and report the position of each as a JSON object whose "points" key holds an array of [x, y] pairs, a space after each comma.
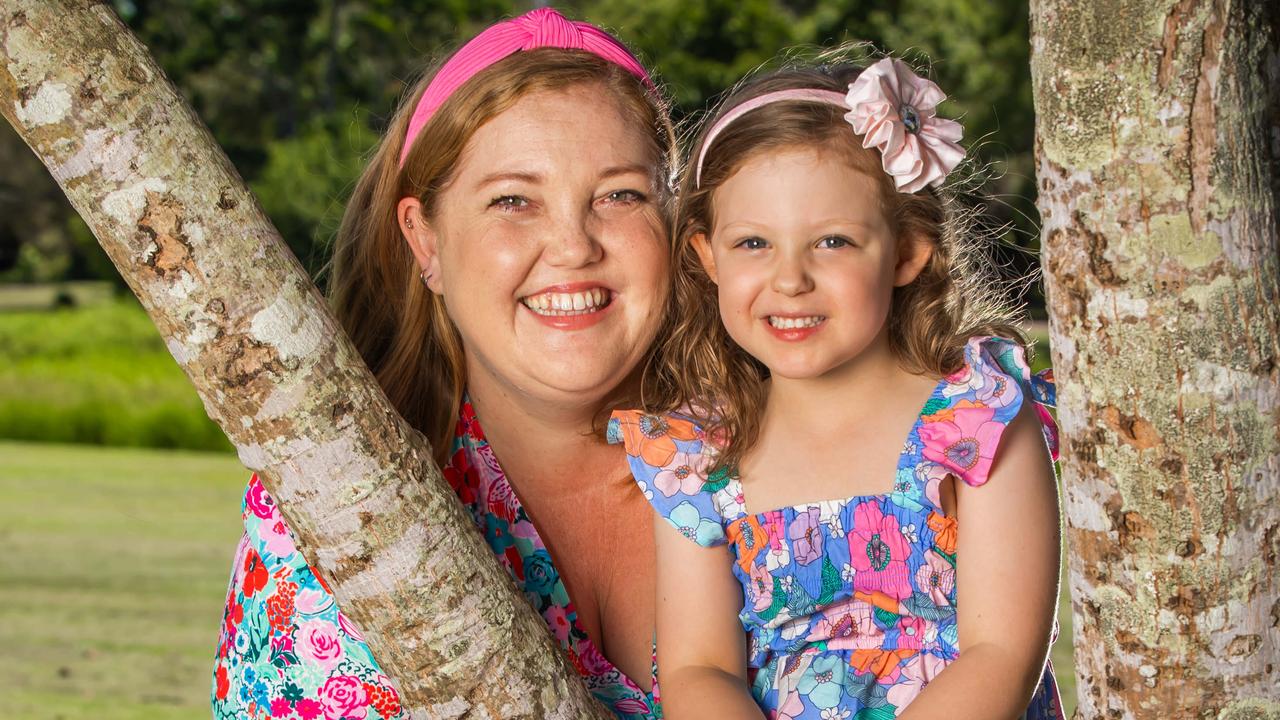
{"points": [[510, 203], [753, 243], [625, 197], [832, 242]]}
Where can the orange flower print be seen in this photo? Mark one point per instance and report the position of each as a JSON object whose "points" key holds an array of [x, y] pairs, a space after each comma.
{"points": [[944, 529], [652, 438]]}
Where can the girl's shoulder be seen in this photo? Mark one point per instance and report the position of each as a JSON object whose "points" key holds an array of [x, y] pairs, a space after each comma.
{"points": [[963, 423], [673, 464]]}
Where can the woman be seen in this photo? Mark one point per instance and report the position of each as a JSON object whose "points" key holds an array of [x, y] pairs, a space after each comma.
{"points": [[502, 261]]}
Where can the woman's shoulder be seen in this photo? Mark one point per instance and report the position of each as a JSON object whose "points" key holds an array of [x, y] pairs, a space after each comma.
{"points": [[962, 425], [674, 465]]}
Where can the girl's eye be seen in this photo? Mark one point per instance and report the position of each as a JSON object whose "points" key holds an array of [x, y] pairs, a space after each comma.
{"points": [[832, 242], [510, 203], [753, 243], [625, 197]]}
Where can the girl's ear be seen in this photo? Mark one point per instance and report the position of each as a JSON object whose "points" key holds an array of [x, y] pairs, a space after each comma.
{"points": [[702, 246], [422, 239], [914, 252]]}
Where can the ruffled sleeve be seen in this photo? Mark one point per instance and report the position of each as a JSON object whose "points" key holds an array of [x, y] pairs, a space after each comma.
{"points": [[667, 458], [981, 399]]}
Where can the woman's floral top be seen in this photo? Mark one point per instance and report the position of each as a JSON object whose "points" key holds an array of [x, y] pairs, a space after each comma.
{"points": [[850, 604], [285, 650]]}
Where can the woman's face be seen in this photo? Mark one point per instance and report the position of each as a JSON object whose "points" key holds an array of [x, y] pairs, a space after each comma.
{"points": [[550, 249]]}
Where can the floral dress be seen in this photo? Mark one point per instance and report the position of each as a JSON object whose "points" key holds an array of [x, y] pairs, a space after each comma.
{"points": [[850, 605], [285, 650]]}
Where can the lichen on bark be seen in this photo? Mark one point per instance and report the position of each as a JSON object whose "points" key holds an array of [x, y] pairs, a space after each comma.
{"points": [[1157, 170]]}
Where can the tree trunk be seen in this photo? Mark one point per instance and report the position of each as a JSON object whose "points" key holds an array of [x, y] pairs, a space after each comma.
{"points": [[1158, 150], [354, 481]]}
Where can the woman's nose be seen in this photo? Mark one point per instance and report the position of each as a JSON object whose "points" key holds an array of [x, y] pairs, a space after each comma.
{"points": [[573, 244], [790, 277]]}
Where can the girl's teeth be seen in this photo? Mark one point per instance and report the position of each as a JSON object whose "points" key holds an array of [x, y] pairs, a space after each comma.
{"points": [[786, 323], [579, 303]]}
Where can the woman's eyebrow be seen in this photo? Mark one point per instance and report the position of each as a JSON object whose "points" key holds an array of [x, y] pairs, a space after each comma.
{"points": [[529, 177], [634, 168]]}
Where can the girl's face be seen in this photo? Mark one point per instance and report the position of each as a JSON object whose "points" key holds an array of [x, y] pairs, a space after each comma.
{"points": [[805, 261], [549, 248]]}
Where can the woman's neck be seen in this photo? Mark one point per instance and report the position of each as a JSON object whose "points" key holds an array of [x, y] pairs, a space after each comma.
{"points": [[541, 444]]}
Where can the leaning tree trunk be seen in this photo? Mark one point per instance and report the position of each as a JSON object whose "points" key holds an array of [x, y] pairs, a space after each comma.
{"points": [[355, 482], [1158, 140]]}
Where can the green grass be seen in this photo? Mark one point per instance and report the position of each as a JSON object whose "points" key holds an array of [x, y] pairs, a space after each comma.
{"points": [[113, 568], [99, 375]]}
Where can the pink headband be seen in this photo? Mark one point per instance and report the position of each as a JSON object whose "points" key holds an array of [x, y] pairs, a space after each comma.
{"points": [[830, 97], [539, 28], [893, 110]]}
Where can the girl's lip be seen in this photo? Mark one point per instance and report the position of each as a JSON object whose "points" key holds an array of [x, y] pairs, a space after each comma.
{"points": [[796, 334]]}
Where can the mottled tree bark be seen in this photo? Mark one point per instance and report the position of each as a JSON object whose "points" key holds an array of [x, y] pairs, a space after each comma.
{"points": [[1158, 146], [355, 482]]}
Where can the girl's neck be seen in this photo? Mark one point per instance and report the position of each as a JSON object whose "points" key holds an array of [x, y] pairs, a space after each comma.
{"points": [[840, 399]]}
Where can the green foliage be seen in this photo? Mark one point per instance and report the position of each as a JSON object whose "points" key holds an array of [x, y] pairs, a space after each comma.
{"points": [[97, 375]]}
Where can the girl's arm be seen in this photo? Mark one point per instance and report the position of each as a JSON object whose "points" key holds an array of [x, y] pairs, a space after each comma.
{"points": [[1006, 584], [702, 654]]}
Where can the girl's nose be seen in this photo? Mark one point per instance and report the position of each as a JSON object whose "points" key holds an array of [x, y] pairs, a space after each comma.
{"points": [[791, 278], [573, 244]]}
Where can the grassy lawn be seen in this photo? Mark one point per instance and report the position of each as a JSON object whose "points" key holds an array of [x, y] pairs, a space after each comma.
{"points": [[113, 568]]}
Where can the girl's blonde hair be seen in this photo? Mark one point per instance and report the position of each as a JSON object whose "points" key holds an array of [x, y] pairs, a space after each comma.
{"points": [[699, 368], [401, 328]]}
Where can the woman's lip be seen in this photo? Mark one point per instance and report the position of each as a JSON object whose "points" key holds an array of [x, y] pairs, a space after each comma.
{"points": [[569, 288], [578, 321]]}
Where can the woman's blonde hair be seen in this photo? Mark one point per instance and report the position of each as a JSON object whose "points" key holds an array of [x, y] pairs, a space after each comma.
{"points": [[699, 368], [401, 328]]}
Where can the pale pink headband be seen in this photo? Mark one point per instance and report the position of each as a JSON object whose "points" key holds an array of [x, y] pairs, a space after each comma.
{"points": [[539, 28], [830, 97]]}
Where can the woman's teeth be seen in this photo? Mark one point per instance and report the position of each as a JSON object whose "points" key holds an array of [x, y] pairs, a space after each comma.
{"points": [[579, 303], [790, 323]]}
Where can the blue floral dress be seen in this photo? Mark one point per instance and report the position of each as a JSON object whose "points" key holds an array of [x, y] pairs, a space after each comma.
{"points": [[285, 650], [849, 605]]}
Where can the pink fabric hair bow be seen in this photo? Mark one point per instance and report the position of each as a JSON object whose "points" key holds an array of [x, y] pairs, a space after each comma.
{"points": [[894, 110]]}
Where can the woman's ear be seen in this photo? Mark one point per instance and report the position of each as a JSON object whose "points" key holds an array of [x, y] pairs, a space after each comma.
{"points": [[422, 240], [702, 246], [914, 252]]}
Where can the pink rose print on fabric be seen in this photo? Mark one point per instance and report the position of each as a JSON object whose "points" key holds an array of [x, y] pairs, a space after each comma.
{"points": [[915, 676], [592, 660], [806, 536], [879, 553], [966, 443], [275, 535], [685, 474], [259, 501], [318, 641], [936, 578], [310, 601], [344, 696]]}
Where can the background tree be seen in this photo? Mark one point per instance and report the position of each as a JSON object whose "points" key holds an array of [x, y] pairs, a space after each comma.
{"points": [[1158, 141], [354, 480]]}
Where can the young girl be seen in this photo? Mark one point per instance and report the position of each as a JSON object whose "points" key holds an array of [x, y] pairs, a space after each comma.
{"points": [[869, 420]]}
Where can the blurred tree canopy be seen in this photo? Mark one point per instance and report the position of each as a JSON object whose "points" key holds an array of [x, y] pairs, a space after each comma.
{"points": [[297, 91]]}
